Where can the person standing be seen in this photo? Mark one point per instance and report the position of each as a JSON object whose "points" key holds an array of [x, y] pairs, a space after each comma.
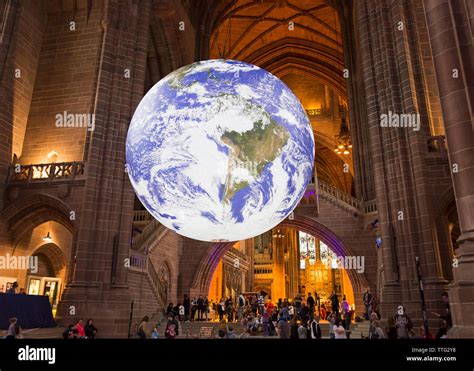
{"points": [[291, 311], [311, 303], [206, 307], [367, 299], [193, 309], [241, 304], [298, 302], [187, 307], [261, 304], [335, 304], [315, 329], [200, 307], [447, 314], [294, 328], [284, 313]]}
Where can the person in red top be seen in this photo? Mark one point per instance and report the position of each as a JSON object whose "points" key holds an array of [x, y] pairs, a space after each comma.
{"points": [[80, 329], [270, 307]]}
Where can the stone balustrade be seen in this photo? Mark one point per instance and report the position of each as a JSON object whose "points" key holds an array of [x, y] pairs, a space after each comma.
{"points": [[46, 172]]}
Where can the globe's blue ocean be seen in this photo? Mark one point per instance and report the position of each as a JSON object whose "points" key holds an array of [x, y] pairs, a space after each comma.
{"points": [[220, 150]]}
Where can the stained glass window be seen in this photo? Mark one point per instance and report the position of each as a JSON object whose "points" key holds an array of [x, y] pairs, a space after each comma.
{"points": [[307, 249]]}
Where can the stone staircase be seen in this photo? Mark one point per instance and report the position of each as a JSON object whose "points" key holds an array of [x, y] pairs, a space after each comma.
{"points": [[141, 247], [193, 330], [360, 329]]}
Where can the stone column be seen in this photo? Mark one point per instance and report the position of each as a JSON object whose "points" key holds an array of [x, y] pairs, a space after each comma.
{"points": [[7, 77], [98, 280], [391, 71], [450, 26]]}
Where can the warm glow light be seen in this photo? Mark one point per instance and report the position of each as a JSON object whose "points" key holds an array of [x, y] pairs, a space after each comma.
{"points": [[350, 145], [340, 146], [52, 156], [346, 152], [47, 238], [40, 172]]}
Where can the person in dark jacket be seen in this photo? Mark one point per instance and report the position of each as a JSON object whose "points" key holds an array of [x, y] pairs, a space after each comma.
{"points": [[172, 328], [310, 302], [90, 329], [335, 304], [187, 307], [200, 305], [294, 328]]}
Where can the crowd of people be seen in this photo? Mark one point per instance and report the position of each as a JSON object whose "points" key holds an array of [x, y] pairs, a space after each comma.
{"points": [[298, 318], [259, 315], [400, 326]]}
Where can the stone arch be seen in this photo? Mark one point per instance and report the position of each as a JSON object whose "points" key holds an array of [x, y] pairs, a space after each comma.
{"points": [[26, 214], [54, 254], [215, 252]]}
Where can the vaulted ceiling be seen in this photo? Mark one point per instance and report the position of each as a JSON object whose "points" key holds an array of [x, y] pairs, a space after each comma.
{"points": [[299, 41], [282, 36]]}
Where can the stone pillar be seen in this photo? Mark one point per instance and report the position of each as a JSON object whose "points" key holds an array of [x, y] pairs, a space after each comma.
{"points": [[97, 287], [364, 179], [278, 284], [450, 26], [250, 251], [391, 71], [7, 77]]}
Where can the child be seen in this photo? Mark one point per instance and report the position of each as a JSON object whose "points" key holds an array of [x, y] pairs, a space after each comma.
{"points": [[155, 334]]}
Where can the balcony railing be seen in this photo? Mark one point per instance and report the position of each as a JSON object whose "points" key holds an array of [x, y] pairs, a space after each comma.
{"points": [[370, 207], [337, 194], [142, 216], [46, 172]]}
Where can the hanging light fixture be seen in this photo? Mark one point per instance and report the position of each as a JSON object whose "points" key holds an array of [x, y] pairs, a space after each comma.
{"points": [[343, 139], [48, 237]]}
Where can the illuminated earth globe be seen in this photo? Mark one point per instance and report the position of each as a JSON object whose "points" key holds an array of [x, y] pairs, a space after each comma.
{"points": [[220, 150]]}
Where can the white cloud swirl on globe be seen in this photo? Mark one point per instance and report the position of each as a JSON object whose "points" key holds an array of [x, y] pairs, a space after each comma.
{"points": [[220, 150]]}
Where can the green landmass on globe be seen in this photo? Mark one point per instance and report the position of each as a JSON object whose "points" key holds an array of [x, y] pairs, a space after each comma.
{"points": [[260, 146]]}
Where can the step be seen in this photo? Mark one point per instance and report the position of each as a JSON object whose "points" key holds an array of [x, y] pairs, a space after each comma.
{"points": [[40, 333]]}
